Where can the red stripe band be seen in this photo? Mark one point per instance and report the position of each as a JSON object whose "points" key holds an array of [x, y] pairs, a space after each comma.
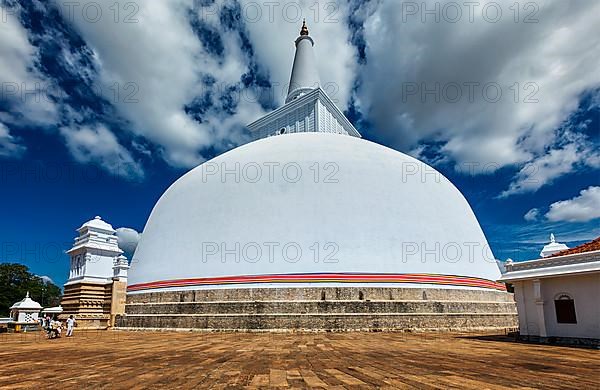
{"points": [[452, 280]]}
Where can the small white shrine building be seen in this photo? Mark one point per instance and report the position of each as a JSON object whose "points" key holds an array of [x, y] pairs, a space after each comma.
{"points": [[25, 313], [557, 295]]}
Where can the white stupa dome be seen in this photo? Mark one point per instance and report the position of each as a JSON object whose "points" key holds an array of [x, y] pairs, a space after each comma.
{"points": [[312, 208]]}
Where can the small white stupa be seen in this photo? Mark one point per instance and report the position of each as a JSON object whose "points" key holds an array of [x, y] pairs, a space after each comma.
{"points": [[553, 247], [25, 311]]}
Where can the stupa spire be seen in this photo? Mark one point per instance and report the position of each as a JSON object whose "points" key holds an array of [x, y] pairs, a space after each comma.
{"points": [[308, 109], [304, 29], [305, 76]]}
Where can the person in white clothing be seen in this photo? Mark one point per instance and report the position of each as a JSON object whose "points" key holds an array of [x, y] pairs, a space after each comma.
{"points": [[70, 325]]}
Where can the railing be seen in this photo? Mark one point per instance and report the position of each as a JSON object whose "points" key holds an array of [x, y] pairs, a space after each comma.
{"points": [[577, 258]]}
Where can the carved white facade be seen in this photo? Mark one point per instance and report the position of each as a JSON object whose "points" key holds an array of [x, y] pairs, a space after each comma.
{"points": [[310, 113], [94, 253], [120, 268]]}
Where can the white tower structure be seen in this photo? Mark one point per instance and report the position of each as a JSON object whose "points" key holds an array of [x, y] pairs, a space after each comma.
{"points": [[97, 277], [94, 253], [307, 107]]}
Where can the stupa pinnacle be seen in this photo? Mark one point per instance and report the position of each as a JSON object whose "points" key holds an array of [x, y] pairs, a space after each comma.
{"points": [[307, 108], [305, 76]]}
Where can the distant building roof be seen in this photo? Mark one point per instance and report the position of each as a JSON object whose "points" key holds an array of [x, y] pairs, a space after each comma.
{"points": [[579, 260], [552, 247], [97, 223], [52, 310], [587, 247]]}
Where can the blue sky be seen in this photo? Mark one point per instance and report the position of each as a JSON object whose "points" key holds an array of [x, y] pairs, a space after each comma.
{"points": [[104, 104]]}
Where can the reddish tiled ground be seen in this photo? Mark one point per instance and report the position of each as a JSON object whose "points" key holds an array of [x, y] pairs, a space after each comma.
{"points": [[129, 360]]}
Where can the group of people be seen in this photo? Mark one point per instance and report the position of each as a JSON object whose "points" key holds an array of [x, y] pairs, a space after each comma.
{"points": [[54, 327]]}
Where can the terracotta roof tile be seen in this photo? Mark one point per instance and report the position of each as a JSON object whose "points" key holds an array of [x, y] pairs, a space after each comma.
{"points": [[587, 247]]}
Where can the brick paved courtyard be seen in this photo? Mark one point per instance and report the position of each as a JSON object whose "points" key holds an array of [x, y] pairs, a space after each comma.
{"points": [[130, 360]]}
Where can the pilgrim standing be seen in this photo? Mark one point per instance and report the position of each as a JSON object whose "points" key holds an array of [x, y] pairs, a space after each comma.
{"points": [[70, 325]]}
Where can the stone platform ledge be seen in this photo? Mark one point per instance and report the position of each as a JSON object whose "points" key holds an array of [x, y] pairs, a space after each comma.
{"points": [[318, 301], [320, 307], [91, 328], [348, 293], [86, 321], [487, 330], [318, 314]]}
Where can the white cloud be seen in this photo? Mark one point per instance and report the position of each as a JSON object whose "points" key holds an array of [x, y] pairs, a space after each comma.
{"points": [[532, 215], [28, 93], [161, 62], [98, 145], [9, 146], [46, 279], [128, 240], [574, 152], [559, 54], [148, 70], [543, 170], [157, 64], [582, 208]]}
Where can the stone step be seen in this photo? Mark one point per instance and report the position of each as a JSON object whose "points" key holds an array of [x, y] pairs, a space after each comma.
{"points": [[319, 321], [322, 293], [320, 307]]}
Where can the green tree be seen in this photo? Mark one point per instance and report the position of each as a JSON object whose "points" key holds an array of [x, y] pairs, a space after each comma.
{"points": [[16, 280]]}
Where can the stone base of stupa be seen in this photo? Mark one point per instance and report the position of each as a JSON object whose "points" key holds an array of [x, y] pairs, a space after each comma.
{"points": [[321, 309]]}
